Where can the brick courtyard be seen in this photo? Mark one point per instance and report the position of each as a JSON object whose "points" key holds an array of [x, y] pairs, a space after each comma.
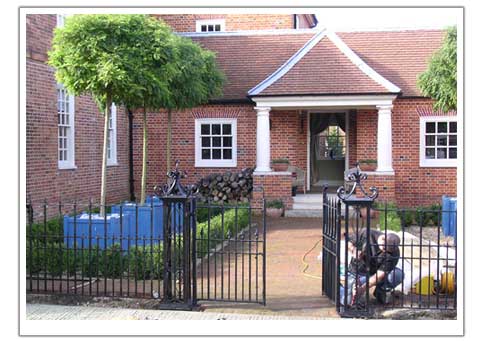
{"points": [[289, 291]]}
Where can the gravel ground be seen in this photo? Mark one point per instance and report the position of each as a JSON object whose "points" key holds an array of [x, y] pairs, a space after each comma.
{"points": [[430, 233]]}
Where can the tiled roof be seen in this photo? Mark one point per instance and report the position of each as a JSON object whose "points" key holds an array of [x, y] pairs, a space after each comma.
{"points": [[248, 59], [397, 56]]}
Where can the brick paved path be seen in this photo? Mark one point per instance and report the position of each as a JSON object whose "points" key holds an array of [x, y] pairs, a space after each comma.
{"points": [[289, 292]]}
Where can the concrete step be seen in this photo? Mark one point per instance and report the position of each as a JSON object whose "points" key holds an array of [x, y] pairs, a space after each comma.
{"points": [[308, 206], [308, 198], [302, 213]]}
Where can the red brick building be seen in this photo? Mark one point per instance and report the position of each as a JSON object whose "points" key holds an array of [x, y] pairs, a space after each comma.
{"points": [[324, 100]]}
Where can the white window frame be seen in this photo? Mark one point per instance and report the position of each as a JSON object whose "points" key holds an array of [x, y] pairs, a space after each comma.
{"points": [[69, 163], [200, 23], [61, 20], [199, 162], [424, 162], [112, 138]]}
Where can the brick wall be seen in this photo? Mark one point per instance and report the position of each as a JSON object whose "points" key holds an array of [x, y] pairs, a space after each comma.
{"points": [[288, 137], [183, 142], [233, 22], [415, 185], [276, 186], [44, 179]]}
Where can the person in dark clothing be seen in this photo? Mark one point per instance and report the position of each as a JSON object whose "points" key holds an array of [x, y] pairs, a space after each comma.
{"points": [[374, 261]]}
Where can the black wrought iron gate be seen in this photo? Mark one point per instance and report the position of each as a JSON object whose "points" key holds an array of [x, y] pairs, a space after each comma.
{"points": [[331, 247], [230, 254]]}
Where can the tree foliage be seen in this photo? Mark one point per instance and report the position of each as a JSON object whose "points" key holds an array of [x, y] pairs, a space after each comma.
{"points": [[439, 81]]}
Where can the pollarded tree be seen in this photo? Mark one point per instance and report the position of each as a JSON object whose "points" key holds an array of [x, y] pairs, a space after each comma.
{"points": [[439, 81], [197, 80], [98, 55], [158, 59]]}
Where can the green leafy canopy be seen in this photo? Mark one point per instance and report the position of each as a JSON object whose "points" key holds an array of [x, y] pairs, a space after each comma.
{"points": [[101, 55], [439, 81]]}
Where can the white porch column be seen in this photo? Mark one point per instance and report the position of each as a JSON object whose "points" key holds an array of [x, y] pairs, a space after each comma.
{"points": [[263, 139], [384, 139]]}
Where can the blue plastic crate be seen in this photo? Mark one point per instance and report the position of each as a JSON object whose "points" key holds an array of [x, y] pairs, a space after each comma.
{"points": [[449, 216], [78, 228], [152, 211]]}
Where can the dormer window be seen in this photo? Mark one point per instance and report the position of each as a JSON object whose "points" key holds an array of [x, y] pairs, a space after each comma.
{"points": [[214, 25]]}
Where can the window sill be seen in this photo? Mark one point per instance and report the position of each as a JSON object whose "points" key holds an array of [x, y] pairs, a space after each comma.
{"points": [[72, 167], [430, 164], [215, 165], [112, 164]]}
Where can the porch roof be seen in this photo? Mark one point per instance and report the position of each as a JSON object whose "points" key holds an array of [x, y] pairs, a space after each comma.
{"points": [[249, 58]]}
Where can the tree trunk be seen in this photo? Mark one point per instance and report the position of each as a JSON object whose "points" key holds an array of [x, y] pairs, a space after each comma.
{"points": [[169, 139], [103, 193], [144, 162]]}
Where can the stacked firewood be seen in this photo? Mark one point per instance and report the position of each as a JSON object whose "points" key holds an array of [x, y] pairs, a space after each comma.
{"points": [[226, 188]]}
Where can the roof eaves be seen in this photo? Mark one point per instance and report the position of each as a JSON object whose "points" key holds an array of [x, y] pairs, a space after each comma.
{"points": [[287, 66], [364, 67]]}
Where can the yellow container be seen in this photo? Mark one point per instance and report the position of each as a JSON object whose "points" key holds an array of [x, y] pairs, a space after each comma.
{"points": [[447, 282], [427, 286]]}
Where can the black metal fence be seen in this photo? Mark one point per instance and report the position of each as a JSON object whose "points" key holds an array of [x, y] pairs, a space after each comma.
{"points": [[171, 250], [378, 257]]}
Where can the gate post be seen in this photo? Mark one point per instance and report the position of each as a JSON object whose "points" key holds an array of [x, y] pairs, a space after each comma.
{"points": [[364, 200], [178, 252]]}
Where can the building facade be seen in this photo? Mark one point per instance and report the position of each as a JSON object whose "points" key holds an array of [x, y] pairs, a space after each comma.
{"points": [[322, 100]]}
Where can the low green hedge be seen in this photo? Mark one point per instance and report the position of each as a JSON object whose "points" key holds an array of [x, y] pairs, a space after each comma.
{"points": [[216, 228], [396, 217]]}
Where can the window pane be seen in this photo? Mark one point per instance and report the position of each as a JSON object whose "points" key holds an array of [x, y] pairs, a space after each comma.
{"points": [[205, 129], [205, 154], [442, 127], [430, 127], [452, 140], [217, 141], [215, 129], [452, 153], [217, 27], [227, 154], [204, 28], [210, 28], [217, 154], [65, 155], [453, 127], [205, 141], [60, 143], [442, 140], [430, 153], [227, 129], [227, 141], [430, 140], [441, 153]]}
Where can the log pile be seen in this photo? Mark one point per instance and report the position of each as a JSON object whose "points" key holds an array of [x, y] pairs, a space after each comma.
{"points": [[226, 188]]}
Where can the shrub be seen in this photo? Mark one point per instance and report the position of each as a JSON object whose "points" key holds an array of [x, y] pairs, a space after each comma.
{"points": [[275, 204], [216, 227], [202, 213], [51, 232], [146, 263], [393, 221]]}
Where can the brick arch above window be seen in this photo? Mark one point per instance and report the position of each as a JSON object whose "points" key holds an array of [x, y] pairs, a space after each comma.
{"points": [[424, 111], [224, 113]]}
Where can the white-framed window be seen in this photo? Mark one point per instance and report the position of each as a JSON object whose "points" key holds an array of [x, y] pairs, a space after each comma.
{"points": [[66, 128], [216, 142], [213, 25], [61, 20], [112, 138], [438, 141]]}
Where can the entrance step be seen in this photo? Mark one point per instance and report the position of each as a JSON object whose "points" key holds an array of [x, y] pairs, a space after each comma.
{"points": [[302, 213]]}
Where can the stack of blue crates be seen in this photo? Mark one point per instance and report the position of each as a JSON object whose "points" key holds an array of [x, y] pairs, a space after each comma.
{"points": [[135, 228], [449, 216]]}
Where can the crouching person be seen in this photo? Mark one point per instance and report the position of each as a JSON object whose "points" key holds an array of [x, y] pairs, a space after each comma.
{"points": [[375, 262]]}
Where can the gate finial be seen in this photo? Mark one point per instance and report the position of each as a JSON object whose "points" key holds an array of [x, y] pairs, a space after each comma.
{"points": [[356, 177], [174, 187]]}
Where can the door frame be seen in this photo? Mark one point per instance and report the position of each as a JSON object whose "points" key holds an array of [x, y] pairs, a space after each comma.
{"points": [[346, 112]]}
